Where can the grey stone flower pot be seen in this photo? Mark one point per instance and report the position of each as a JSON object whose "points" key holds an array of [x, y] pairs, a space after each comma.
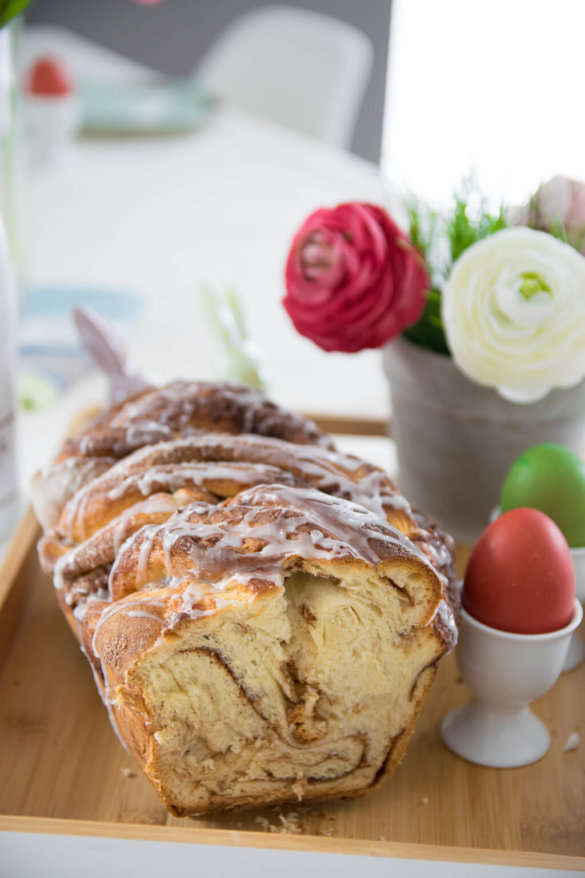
{"points": [[456, 440]]}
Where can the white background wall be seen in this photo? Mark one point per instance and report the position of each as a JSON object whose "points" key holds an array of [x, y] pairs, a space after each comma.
{"points": [[495, 85]]}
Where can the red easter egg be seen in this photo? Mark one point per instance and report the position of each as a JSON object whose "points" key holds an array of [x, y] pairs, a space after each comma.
{"points": [[48, 76], [520, 575]]}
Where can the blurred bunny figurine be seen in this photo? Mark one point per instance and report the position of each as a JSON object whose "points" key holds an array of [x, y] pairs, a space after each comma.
{"points": [[105, 345]]}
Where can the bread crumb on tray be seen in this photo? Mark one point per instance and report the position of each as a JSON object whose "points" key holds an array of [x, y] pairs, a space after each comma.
{"points": [[572, 742]]}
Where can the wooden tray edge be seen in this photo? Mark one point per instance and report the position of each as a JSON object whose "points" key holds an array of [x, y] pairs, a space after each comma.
{"points": [[283, 841], [14, 591], [355, 425], [17, 552]]}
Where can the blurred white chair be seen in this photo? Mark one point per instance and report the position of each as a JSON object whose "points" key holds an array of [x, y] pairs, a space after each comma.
{"points": [[299, 68]]}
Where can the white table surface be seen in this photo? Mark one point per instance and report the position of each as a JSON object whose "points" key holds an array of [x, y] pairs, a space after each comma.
{"points": [[158, 216]]}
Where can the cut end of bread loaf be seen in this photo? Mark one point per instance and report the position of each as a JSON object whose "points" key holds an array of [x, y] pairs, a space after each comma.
{"points": [[307, 691]]}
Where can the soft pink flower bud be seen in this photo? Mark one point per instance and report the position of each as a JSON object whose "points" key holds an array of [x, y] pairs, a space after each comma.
{"points": [[558, 206]]}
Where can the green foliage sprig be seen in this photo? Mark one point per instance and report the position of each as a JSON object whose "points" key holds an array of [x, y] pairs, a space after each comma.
{"points": [[9, 9], [441, 238], [464, 230]]}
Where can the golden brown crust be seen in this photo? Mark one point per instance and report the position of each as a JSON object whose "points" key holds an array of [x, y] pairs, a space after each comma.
{"points": [[179, 409], [182, 408], [258, 534], [149, 485], [216, 466]]}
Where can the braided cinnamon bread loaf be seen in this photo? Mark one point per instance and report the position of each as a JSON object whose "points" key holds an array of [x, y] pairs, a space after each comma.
{"points": [[263, 618]]}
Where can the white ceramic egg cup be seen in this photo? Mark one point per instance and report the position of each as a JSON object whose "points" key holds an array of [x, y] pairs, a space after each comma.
{"points": [[50, 125], [576, 651], [505, 673]]}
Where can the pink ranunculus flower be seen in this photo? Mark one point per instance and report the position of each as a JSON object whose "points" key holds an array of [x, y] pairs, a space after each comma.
{"points": [[558, 206], [353, 278]]}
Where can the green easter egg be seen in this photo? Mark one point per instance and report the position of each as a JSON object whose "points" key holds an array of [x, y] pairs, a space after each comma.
{"points": [[551, 478]]}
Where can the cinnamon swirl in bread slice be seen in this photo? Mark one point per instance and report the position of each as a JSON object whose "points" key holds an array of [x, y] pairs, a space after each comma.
{"points": [[276, 647]]}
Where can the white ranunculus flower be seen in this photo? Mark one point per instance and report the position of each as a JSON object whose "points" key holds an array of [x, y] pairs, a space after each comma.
{"points": [[514, 313]]}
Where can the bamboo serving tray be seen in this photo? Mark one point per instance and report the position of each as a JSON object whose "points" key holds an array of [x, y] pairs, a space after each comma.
{"points": [[62, 769]]}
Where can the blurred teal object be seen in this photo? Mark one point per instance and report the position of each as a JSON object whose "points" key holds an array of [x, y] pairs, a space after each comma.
{"points": [[164, 107], [57, 301]]}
